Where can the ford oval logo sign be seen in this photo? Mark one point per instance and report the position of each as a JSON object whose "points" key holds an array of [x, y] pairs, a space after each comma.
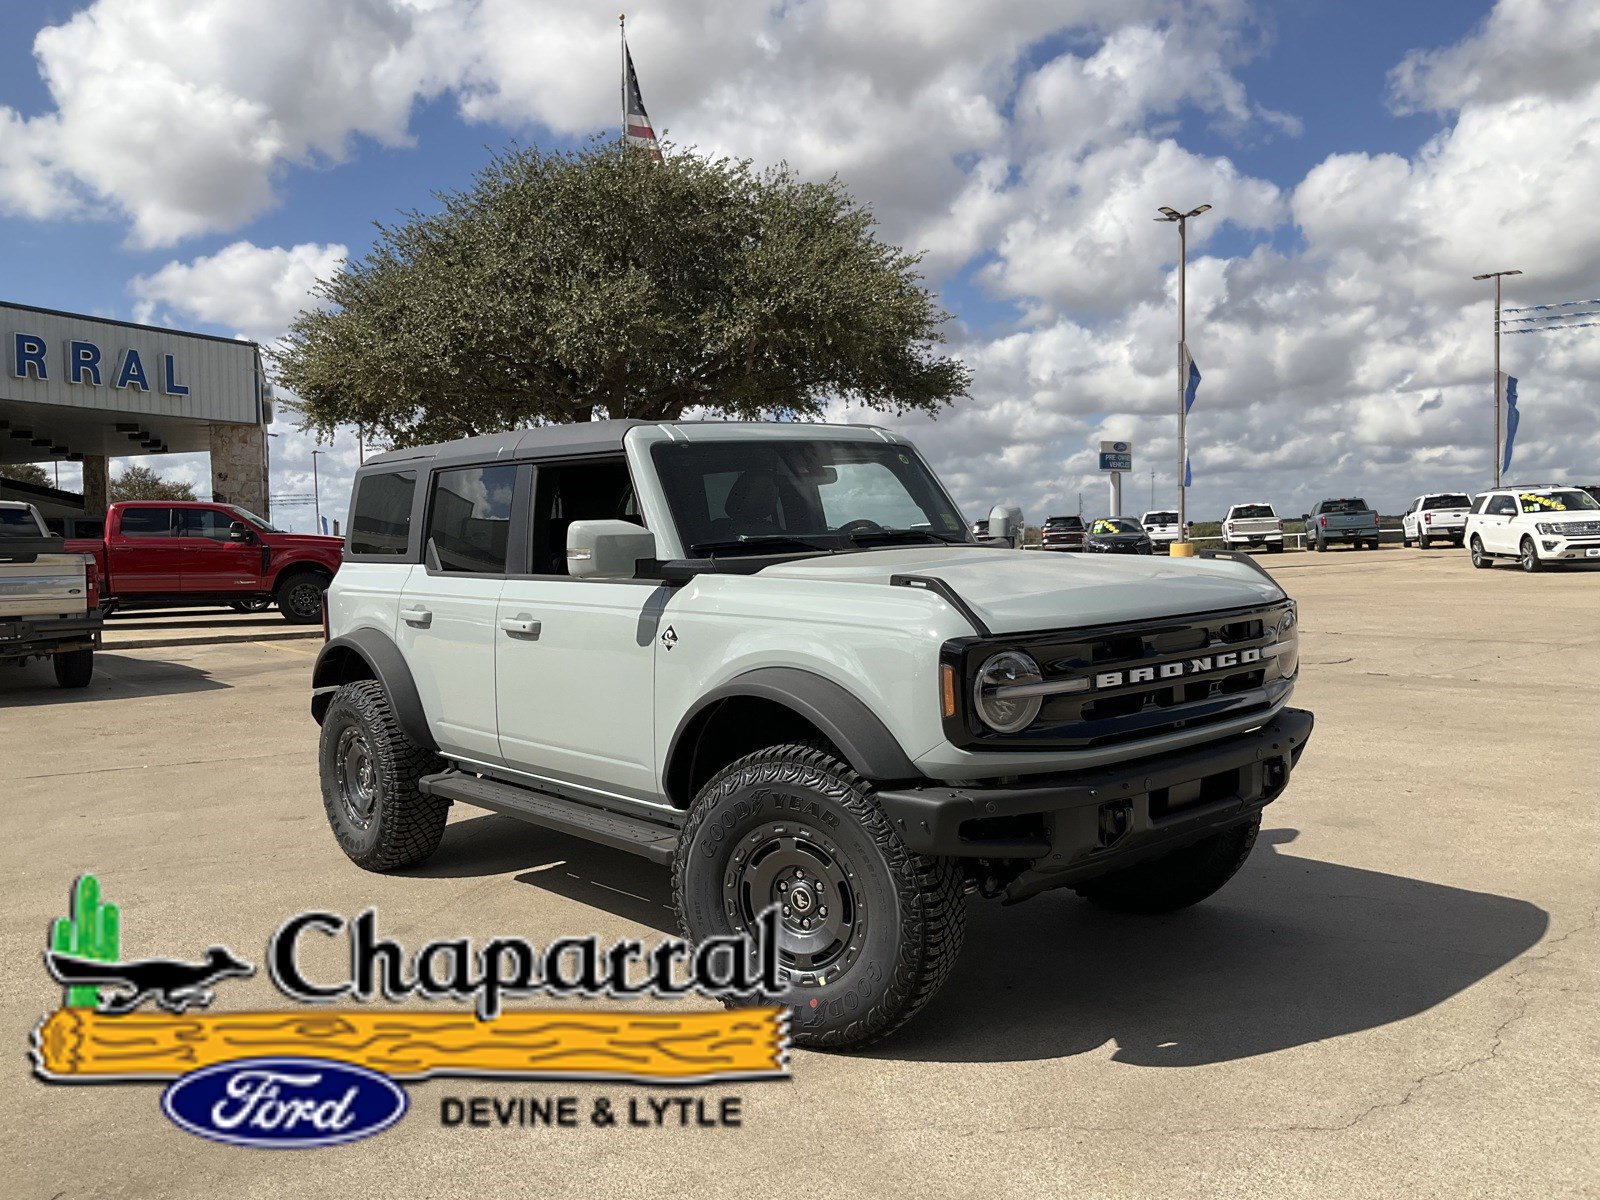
{"points": [[284, 1103]]}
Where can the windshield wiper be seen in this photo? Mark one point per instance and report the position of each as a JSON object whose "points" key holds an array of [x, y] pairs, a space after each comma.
{"points": [[757, 541], [868, 536]]}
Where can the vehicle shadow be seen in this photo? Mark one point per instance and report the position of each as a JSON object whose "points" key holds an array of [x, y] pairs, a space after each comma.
{"points": [[1292, 951], [116, 676], [620, 883]]}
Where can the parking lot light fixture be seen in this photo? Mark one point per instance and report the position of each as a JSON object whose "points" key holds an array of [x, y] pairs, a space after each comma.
{"points": [[1182, 548]]}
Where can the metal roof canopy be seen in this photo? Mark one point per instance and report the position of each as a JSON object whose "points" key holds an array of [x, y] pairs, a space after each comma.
{"points": [[190, 381]]}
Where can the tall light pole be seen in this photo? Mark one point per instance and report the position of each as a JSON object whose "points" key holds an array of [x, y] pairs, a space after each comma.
{"points": [[1182, 221], [316, 487], [1496, 276]]}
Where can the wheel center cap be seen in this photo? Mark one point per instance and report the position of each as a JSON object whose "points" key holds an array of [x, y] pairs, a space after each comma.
{"points": [[801, 900]]}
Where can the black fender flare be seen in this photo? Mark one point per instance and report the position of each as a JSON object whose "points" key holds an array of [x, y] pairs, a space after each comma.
{"points": [[386, 664], [864, 740]]}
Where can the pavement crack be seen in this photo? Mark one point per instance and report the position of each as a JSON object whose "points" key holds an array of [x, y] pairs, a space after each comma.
{"points": [[187, 762]]}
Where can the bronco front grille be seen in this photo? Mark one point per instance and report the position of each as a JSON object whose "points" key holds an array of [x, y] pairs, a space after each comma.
{"points": [[1111, 684]]}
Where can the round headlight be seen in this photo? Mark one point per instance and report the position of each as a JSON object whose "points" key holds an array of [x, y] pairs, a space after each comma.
{"points": [[1288, 639], [1002, 713]]}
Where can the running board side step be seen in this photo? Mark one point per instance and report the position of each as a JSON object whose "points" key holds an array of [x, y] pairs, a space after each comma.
{"points": [[652, 839]]}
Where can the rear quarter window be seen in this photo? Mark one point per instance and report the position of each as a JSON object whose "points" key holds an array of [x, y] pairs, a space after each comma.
{"points": [[380, 514]]}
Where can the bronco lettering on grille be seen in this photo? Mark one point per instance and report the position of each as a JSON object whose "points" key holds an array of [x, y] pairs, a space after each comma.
{"points": [[1179, 669]]}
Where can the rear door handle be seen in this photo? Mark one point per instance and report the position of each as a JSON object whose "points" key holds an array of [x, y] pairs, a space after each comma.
{"points": [[420, 617], [520, 627]]}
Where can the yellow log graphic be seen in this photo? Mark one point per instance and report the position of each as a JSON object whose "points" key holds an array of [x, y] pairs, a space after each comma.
{"points": [[79, 1044]]}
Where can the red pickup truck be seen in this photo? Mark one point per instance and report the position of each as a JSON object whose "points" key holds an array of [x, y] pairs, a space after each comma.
{"points": [[168, 553]]}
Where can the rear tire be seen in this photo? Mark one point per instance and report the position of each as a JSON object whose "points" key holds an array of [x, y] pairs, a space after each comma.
{"points": [[1176, 880], [75, 668], [1423, 541], [885, 925], [369, 770], [1479, 559], [299, 597]]}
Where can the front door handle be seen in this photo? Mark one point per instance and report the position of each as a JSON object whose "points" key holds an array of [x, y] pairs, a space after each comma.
{"points": [[521, 627], [420, 617]]}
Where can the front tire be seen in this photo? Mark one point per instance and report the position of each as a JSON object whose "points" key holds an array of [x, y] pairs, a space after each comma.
{"points": [[75, 668], [369, 770], [299, 597], [1185, 876], [880, 927], [1529, 559], [1479, 559]]}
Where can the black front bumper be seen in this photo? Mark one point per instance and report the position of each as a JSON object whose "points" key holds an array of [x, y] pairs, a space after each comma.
{"points": [[31, 637], [1073, 827]]}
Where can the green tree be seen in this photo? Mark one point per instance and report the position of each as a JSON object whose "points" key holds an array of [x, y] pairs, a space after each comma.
{"points": [[141, 483], [26, 473], [564, 282]]}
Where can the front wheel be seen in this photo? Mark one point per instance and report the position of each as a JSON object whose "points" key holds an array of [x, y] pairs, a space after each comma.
{"points": [[867, 930], [299, 597], [1529, 559], [1176, 880], [75, 668]]}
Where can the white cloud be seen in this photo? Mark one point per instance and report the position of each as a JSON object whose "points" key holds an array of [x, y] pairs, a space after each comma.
{"points": [[254, 290]]}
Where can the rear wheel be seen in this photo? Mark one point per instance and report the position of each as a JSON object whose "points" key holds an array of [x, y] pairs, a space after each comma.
{"points": [[1529, 559], [1423, 541], [1318, 544], [867, 930], [369, 770], [1177, 880], [75, 668], [1479, 559], [299, 597]]}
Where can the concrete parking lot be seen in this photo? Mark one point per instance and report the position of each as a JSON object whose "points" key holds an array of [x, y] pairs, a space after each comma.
{"points": [[1397, 996]]}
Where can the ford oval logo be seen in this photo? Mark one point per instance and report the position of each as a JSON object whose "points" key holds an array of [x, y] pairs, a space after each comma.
{"points": [[284, 1103]]}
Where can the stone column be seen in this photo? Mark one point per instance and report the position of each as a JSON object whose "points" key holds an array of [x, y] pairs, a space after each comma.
{"points": [[96, 484], [239, 466]]}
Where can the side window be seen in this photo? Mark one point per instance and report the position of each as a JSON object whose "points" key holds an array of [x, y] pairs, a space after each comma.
{"points": [[1503, 506], [1479, 502], [147, 522], [595, 490], [470, 516], [380, 518], [203, 522]]}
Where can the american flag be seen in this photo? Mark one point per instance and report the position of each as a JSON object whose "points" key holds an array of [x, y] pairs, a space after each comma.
{"points": [[637, 129]]}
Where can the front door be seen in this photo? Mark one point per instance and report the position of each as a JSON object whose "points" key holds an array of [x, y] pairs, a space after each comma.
{"points": [[213, 561], [1499, 533], [575, 658], [447, 626]]}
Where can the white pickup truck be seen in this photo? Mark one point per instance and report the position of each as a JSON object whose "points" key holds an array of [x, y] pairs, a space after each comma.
{"points": [[48, 598], [1252, 525], [1439, 517], [1162, 526]]}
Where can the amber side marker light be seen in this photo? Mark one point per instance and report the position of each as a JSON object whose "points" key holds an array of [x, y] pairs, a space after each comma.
{"points": [[947, 675]]}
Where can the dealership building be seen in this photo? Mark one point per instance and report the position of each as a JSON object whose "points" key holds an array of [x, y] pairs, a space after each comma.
{"points": [[86, 390]]}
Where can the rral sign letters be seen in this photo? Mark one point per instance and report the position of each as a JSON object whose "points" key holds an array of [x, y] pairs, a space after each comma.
{"points": [[82, 362]]}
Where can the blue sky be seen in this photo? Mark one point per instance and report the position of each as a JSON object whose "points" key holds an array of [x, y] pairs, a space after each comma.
{"points": [[1061, 297]]}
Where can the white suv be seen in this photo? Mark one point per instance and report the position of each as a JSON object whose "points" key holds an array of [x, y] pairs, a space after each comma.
{"points": [[773, 657], [1534, 525]]}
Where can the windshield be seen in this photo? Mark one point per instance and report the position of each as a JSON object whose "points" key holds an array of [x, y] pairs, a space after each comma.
{"points": [[1453, 500], [258, 522], [1161, 518], [769, 496], [1557, 501], [1333, 506], [1117, 525], [1252, 510], [18, 523]]}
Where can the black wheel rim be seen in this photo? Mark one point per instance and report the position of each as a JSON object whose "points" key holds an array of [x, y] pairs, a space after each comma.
{"points": [[303, 599], [358, 777], [822, 918]]}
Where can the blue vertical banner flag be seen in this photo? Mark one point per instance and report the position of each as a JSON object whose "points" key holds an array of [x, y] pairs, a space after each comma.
{"points": [[1188, 475], [324, 524], [1508, 394], [1192, 375]]}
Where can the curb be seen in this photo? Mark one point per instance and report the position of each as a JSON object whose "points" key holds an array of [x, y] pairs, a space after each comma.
{"points": [[110, 647]]}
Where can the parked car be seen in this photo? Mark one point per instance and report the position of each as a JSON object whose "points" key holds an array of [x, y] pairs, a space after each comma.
{"points": [[165, 554], [1162, 526], [1349, 520], [1536, 526], [1438, 516], [1253, 524], [1062, 533], [773, 657], [48, 606], [1117, 535]]}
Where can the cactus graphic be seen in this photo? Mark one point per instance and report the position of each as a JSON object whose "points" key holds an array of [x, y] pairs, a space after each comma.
{"points": [[90, 932]]}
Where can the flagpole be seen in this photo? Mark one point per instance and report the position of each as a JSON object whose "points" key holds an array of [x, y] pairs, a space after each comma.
{"points": [[622, 37], [1182, 547], [1496, 276]]}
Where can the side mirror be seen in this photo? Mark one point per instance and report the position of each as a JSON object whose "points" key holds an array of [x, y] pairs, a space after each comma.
{"points": [[238, 531], [607, 549], [1005, 523]]}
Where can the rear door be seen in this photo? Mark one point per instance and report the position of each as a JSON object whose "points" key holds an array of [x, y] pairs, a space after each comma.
{"points": [[212, 560], [447, 611], [145, 555], [575, 658]]}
